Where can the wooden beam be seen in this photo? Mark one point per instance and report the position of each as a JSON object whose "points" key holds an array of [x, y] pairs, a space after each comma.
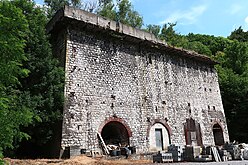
{"points": [[104, 145]]}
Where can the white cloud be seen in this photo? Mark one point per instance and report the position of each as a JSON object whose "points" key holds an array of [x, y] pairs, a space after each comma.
{"points": [[246, 20], [245, 27], [186, 17], [235, 8]]}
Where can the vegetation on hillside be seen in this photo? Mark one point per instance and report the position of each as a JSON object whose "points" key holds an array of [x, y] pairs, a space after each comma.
{"points": [[31, 82]]}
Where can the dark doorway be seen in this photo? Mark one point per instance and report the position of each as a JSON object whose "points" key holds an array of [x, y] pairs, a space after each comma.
{"points": [[115, 133], [159, 139], [192, 131], [218, 135]]}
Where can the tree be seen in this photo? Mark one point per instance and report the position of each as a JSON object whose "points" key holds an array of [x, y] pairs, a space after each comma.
{"points": [[43, 88], [122, 12], [172, 37], [55, 5], [31, 81], [239, 34], [198, 47], [154, 29], [127, 15], [13, 114], [236, 57], [233, 79], [213, 43], [168, 33], [107, 9]]}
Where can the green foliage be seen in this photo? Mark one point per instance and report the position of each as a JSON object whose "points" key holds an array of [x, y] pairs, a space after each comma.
{"points": [[198, 47], [189, 42], [55, 5], [13, 114], [213, 43], [234, 95], [236, 57], [13, 29], [168, 33], [127, 15], [154, 29], [203, 44], [43, 87], [171, 37], [239, 34], [31, 81], [122, 12], [233, 80], [107, 9]]}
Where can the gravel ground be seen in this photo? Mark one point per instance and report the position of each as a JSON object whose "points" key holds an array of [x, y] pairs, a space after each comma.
{"points": [[244, 162]]}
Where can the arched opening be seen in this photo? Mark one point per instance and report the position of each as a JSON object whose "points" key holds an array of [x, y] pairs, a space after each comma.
{"points": [[115, 133], [192, 132], [159, 137], [218, 135]]}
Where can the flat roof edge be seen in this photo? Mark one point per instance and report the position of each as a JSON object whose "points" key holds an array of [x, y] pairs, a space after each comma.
{"points": [[104, 23]]}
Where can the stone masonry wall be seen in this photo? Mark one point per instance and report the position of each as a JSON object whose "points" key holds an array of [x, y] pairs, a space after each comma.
{"points": [[107, 77]]}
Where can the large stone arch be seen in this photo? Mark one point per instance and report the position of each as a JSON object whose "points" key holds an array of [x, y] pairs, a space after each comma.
{"points": [[163, 122], [158, 133], [218, 134], [115, 131], [192, 131]]}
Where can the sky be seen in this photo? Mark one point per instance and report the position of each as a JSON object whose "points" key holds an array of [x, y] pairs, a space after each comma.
{"points": [[212, 17]]}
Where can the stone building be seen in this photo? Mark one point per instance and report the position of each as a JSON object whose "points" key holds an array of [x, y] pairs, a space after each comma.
{"points": [[132, 88]]}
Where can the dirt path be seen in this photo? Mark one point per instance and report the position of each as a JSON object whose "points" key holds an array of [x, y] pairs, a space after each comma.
{"points": [[79, 160], [84, 160]]}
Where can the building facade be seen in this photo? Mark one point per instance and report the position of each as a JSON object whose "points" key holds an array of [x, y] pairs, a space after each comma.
{"points": [[133, 89]]}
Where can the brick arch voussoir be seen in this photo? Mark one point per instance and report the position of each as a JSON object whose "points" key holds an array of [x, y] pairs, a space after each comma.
{"points": [[217, 122], [115, 119], [163, 122]]}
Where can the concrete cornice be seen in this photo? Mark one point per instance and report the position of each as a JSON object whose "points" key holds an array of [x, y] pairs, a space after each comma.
{"points": [[81, 16]]}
